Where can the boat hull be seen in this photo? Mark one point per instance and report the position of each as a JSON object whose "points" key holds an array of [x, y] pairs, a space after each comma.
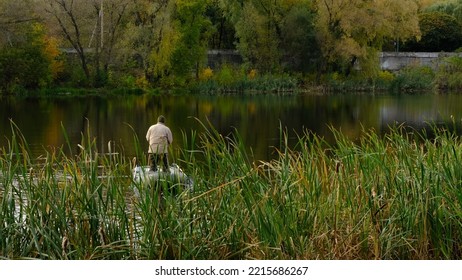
{"points": [[174, 177]]}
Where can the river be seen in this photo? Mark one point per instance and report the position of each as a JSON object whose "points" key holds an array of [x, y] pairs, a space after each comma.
{"points": [[48, 122]]}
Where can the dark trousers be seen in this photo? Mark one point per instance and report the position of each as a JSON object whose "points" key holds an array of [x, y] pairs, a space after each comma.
{"points": [[154, 159]]}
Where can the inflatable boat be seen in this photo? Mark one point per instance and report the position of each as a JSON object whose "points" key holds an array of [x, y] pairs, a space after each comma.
{"points": [[175, 177]]}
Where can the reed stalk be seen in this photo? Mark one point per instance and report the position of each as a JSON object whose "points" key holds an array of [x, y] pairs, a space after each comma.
{"points": [[395, 196]]}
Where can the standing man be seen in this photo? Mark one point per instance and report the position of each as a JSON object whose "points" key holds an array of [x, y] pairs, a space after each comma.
{"points": [[159, 137]]}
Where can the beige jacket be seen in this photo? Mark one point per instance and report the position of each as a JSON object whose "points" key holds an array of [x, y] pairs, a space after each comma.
{"points": [[159, 137]]}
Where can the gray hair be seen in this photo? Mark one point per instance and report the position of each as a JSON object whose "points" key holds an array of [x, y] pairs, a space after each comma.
{"points": [[161, 119]]}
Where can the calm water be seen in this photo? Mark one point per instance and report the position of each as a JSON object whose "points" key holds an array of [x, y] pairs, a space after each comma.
{"points": [[257, 118]]}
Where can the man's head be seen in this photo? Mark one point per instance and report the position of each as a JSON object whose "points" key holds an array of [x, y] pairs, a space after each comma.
{"points": [[161, 119]]}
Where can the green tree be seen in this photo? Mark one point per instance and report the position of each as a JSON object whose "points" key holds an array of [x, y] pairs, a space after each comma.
{"points": [[299, 48], [29, 63], [223, 35], [194, 29], [150, 36], [109, 16], [257, 33], [263, 28], [440, 32], [115, 16], [453, 8]]}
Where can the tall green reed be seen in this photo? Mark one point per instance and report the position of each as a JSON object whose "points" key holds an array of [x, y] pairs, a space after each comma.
{"points": [[395, 196], [60, 206]]}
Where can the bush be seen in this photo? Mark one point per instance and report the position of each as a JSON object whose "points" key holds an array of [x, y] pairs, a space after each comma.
{"points": [[206, 74], [30, 62], [225, 77], [449, 75], [414, 78], [238, 80]]}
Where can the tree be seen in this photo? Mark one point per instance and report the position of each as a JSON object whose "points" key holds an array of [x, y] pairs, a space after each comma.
{"points": [[14, 15], [300, 50], [262, 30], [91, 29], [453, 8], [259, 33], [224, 32], [258, 40], [115, 14], [440, 32], [110, 15], [30, 63], [150, 37], [194, 29], [74, 22], [29, 57], [351, 31]]}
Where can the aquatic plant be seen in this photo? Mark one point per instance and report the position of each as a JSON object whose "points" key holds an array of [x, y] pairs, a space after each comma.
{"points": [[391, 197]]}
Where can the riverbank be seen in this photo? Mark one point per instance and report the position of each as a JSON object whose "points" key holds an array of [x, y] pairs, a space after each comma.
{"points": [[235, 81], [392, 197]]}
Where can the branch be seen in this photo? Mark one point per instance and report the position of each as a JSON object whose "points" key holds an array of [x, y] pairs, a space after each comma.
{"points": [[19, 21]]}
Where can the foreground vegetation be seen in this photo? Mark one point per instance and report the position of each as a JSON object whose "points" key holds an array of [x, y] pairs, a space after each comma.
{"points": [[391, 197]]}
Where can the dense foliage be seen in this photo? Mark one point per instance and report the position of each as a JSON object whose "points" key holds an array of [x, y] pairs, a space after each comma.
{"points": [[31, 62], [440, 32], [163, 43]]}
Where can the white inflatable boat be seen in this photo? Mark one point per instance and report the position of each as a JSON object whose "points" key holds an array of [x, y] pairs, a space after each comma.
{"points": [[142, 175]]}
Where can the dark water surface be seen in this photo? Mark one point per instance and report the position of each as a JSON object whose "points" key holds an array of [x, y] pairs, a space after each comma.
{"points": [[257, 118]]}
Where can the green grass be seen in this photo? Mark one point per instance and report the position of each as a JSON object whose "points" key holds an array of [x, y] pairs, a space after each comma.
{"points": [[382, 197]]}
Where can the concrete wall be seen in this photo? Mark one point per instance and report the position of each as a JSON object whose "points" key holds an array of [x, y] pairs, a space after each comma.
{"points": [[215, 58], [391, 61], [394, 61]]}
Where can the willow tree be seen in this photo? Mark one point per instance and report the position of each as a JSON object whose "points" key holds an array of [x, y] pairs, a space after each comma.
{"points": [[353, 31], [150, 36], [256, 24], [452, 7], [263, 28], [195, 29]]}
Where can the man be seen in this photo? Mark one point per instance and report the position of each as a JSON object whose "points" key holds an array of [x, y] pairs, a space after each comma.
{"points": [[159, 137]]}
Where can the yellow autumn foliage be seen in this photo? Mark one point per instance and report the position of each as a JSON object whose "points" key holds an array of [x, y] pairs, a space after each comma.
{"points": [[206, 74], [252, 74], [355, 29], [50, 49]]}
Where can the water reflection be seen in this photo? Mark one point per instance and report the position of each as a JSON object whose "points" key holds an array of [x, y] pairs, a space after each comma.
{"points": [[257, 118]]}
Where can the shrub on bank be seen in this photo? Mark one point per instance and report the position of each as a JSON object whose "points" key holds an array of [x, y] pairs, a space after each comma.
{"points": [[415, 78], [230, 79], [449, 75], [336, 82]]}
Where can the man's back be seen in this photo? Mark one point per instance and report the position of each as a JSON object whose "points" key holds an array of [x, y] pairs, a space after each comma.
{"points": [[159, 137]]}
